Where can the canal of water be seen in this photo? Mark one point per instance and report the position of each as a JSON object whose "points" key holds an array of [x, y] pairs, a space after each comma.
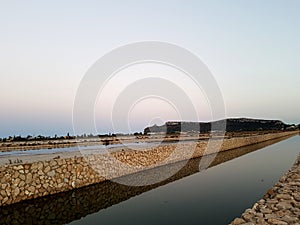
{"points": [[234, 181]]}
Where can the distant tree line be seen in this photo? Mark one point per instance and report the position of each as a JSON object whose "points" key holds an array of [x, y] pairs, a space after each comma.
{"points": [[35, 138], [20, 138]]}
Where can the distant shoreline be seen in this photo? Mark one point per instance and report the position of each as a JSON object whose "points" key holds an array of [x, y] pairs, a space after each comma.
{"points": [[170, 131], [125, 139]]}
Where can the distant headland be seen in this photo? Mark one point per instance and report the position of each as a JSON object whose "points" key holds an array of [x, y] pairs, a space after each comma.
{"points": [[228, 125], [236, 125]]}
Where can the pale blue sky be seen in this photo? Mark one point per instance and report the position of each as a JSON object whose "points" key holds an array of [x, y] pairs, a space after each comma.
{"points": [[251, 47]]}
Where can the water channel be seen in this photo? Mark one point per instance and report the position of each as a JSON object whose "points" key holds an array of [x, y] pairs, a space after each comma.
{"points": [[234, 181]]}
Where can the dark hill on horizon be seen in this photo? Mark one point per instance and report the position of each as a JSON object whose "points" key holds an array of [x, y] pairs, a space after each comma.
{"points": [[231, 124]]}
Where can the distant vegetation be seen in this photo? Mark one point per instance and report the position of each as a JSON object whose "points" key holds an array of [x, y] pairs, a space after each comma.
{"points": [[35, 138], [66, 137]]}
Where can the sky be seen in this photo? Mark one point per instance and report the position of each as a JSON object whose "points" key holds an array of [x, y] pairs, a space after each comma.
{"points": [[252, 49]]}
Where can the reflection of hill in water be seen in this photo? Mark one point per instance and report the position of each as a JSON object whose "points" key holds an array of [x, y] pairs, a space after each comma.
{"points": [[66, 207]]}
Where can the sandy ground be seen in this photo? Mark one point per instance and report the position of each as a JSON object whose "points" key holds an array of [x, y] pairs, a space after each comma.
{"points": [[34, 158]]}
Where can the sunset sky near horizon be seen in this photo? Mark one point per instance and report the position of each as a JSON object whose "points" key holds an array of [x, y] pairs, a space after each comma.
{"points": [[252, 48]]}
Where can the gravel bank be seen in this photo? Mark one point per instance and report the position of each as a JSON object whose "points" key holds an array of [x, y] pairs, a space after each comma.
{"points": [[280, 205]]}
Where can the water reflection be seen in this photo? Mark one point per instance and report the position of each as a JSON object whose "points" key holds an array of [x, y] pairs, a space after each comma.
{"points": [[69, 206]]}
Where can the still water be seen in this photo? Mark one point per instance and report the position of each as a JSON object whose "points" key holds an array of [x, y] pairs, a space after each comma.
{"points": [[234, 181], [74, 149]]}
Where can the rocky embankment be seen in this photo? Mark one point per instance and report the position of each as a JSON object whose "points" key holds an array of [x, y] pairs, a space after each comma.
{"points": [[66, 207], [280, 205], [32, 180]]}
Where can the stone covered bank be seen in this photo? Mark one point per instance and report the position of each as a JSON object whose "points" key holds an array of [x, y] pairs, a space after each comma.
{"points": [[32, 180], [280, 205]]}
